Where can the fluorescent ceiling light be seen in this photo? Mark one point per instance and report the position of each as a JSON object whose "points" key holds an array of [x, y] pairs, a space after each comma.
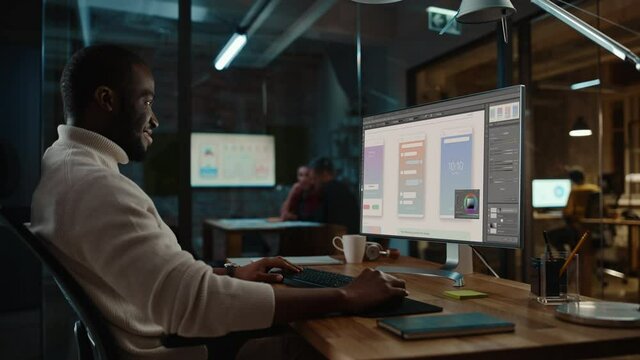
{"points": [[585, 84], [230, 50]]}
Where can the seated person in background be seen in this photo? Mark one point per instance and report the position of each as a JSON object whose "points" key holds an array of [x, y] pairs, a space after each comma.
{"points": [[109, 236], [338, 205], [577, 206], [303, 199]]}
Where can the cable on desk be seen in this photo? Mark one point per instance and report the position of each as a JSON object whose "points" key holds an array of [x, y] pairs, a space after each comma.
{"points": [[484, 262]]}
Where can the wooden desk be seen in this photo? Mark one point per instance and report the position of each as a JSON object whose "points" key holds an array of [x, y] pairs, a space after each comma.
{"points": [[538, 334], [231, 231]]}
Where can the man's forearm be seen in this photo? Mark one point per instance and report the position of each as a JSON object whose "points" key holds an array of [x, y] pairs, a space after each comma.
{"points": [[297, 304]]}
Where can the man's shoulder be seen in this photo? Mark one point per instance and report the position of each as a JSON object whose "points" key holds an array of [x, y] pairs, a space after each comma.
{"points": [[78, 169]]}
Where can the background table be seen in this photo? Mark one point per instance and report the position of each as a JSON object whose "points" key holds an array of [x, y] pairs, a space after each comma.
{"points": [[313, 237], [538, 334]]}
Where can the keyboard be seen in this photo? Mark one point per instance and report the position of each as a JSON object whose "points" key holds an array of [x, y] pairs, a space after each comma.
{"points": [[313, 278], [316, 278]]}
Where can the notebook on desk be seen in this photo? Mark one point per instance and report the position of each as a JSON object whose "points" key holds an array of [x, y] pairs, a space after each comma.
{"points": [[296, 260], [420, 327]]}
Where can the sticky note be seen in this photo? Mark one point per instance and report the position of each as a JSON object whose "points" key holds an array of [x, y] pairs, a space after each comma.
{"points": [[465, 294]]}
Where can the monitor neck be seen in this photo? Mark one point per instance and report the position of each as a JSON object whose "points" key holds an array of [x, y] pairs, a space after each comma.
{"points": [[459, 261]]}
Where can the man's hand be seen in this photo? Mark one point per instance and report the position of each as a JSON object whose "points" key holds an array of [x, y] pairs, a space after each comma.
{"points": [[373, 288], [259, 270]]}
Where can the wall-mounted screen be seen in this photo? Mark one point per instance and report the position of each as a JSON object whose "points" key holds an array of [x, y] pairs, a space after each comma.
{"points": [[230, 160], [550, 193]]}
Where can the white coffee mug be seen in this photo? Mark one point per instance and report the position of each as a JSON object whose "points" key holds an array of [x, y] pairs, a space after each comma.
{"points": [[352, 246]]}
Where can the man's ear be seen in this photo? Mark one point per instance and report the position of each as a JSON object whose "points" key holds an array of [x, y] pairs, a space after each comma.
{"points": [[105, 98]]}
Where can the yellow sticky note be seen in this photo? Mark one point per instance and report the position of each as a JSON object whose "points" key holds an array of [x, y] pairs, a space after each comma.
{"points": [[465, 294]]}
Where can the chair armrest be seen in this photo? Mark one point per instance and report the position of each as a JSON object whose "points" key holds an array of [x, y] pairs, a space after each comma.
{"points": [[236, 338]]}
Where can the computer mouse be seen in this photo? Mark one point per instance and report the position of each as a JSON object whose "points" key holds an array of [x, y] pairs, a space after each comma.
{"points": [[276, 270]]}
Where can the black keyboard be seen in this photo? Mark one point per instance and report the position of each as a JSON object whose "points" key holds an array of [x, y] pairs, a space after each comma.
{"points": [[313, 278], [316, 278]]}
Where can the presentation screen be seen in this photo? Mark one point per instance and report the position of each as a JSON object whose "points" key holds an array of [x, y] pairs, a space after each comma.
{"points": [[232, 160], [550, 193]]}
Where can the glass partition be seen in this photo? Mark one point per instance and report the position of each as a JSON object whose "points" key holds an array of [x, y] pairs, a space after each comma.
{"points": [[310, 70]]}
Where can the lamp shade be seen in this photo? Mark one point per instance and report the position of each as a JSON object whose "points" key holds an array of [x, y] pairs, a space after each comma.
{"points": [[580, 128], [375, 2], [482, 11]]}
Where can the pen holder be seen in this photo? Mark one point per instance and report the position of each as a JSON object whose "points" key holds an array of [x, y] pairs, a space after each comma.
{"points": [[548, 285]]}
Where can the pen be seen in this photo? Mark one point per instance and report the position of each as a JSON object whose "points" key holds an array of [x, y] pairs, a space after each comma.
{"points": [[573, 253], [547, 248]]}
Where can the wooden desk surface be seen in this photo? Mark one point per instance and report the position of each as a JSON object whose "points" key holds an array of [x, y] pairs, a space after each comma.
{"points": [[538, 333], [610, 221]]}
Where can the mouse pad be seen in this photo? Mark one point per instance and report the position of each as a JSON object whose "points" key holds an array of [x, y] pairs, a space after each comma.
{"points": [[406, 307]]}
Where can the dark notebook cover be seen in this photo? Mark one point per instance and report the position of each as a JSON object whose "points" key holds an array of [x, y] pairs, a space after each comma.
{"points": [[405, 307], [419, 327]]}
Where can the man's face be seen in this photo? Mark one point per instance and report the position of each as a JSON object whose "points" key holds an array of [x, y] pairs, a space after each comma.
{"points": [[135, 119]]}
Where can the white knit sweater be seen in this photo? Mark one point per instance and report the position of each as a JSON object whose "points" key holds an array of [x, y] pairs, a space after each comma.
{"points": [[109, 235]]}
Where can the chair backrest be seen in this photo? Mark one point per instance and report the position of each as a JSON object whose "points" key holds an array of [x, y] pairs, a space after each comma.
{"points": [[98, 334]]}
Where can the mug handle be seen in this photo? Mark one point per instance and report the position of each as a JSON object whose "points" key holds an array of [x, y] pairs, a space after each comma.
{"points": [[336, 245]]}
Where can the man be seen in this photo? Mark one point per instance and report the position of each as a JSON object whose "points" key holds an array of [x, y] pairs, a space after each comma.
{"points": [[339, 205], [579, 202], [108, 234]]}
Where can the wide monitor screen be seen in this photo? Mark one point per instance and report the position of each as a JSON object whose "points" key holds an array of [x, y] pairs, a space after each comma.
{"points": [[550, 193], [232, 160], [449, 171]]}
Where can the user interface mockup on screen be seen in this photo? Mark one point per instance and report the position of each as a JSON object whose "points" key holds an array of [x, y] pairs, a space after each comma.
{"points": [[226, 160], [550, 193], [447, 171]]}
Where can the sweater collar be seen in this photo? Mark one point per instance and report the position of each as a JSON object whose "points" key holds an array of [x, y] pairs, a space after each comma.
{"points": [[93, 140]]}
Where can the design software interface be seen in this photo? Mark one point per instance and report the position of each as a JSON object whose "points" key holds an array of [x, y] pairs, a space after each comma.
{"points": [[448, 171]]}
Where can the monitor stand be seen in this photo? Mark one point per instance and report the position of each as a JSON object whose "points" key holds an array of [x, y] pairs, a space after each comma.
{"points": [[459, 261]]}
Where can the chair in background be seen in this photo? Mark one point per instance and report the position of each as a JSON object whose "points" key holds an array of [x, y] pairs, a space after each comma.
{"points": [[93, 338]]}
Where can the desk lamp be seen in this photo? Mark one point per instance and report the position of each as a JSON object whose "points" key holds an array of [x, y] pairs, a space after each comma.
{"points": [[481, 11]]}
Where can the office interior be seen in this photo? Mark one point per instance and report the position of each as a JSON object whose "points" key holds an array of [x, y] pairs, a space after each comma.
{"points": [[309, 72]]}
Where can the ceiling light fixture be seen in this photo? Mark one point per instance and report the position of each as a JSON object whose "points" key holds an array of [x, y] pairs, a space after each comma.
{"points": [[585, 84], [230, 50], [580, 128]]}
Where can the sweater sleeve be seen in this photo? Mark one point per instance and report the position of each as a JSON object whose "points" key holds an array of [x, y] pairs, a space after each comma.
{"points": [[112, 227]]}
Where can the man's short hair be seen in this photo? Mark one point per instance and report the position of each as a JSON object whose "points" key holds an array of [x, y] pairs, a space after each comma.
{"points": [[321, 165], [576, 175], [91, 67]]}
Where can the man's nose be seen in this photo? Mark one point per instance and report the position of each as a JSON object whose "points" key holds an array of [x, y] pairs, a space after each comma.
{"points": [[154, 120]]}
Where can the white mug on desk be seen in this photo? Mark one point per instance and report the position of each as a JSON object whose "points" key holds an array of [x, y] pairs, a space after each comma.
{"points": [[352, 246]]}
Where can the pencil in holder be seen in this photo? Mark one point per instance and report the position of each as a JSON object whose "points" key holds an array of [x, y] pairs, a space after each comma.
{"points": [[555, 280]]}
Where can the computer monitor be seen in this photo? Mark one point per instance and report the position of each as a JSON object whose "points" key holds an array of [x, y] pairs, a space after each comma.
{"points": [[449, 171], [550, 193], [232, 160]]}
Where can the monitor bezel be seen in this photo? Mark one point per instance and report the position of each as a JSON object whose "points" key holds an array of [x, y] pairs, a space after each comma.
{"points": [[520, 90]]}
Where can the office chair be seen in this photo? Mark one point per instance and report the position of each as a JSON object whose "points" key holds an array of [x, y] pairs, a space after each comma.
{"points": [[93, 338]]}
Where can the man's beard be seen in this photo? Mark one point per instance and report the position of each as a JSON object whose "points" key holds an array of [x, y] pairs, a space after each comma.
{"points": [[128, 139]]}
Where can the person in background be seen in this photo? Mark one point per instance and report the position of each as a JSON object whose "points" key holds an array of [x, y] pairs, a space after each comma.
{"points": [[106, 231], [303, 199], [338, 204], [579, 204]]}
